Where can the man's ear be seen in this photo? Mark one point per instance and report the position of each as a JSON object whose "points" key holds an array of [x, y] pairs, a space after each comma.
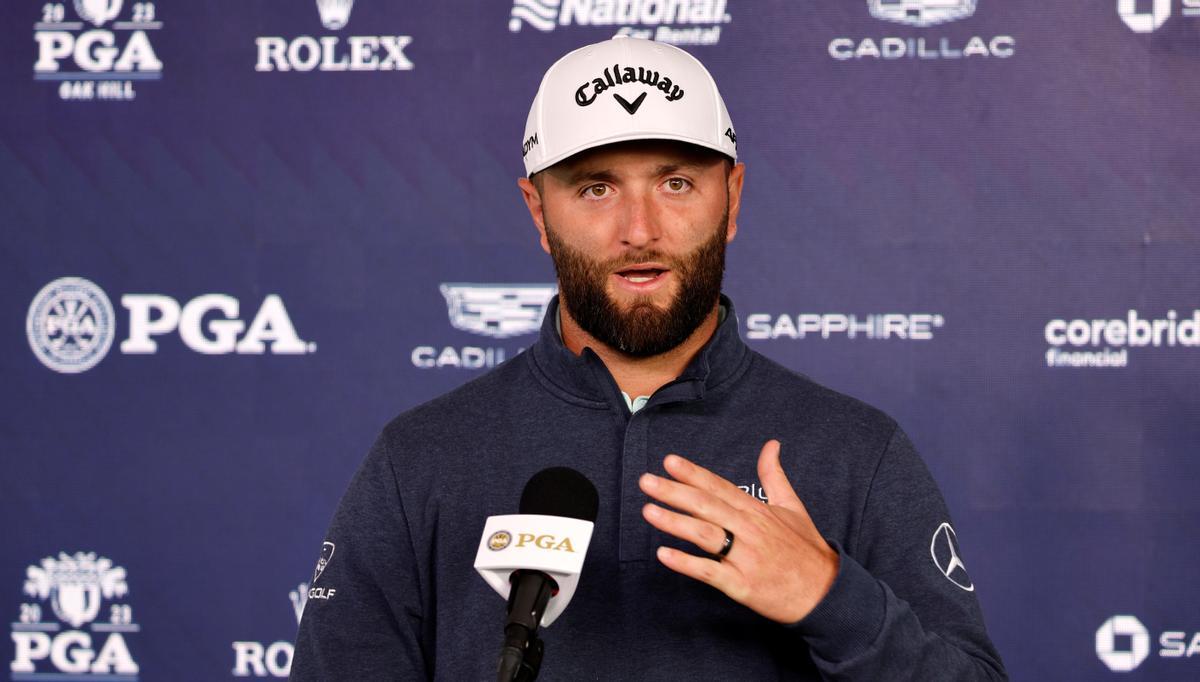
{"points": [[737, 175], [533, 201]]}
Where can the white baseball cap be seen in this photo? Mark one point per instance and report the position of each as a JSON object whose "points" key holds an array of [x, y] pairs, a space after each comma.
{"points": [[624, 89]]}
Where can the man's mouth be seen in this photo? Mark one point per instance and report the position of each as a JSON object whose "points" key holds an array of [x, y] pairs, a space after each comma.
{"points": [[639, 276], [642, 273]]}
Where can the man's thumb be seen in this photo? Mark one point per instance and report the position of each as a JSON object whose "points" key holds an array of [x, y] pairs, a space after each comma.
{"points": [[774, 482]]}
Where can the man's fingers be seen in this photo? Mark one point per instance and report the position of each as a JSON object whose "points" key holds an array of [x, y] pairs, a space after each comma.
{"points": [[774, 481], [703, 534], [778, 565], [720, 575], [695, 475], [699, 503]]}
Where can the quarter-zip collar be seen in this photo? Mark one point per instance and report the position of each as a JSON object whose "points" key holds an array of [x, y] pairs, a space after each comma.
{"points": [[585, 380]]}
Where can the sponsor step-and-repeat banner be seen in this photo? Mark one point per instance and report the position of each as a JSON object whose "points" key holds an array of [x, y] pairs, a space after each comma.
{"points": [[240, 237]]}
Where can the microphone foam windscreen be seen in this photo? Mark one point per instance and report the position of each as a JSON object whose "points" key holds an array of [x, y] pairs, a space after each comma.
{"points": [[560, 491]]}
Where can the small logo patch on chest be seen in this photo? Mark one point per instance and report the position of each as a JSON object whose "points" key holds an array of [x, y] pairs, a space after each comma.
{"points": [[755, 490]]}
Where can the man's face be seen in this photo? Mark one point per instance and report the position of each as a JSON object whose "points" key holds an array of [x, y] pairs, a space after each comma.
{"points": [[637, 232]]}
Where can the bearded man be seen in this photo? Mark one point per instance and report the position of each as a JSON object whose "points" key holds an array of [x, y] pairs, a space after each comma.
{"points": [[845, 568]]}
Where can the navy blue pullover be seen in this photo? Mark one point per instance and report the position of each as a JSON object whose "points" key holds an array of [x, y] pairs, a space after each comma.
{"points": [[398, 598]]}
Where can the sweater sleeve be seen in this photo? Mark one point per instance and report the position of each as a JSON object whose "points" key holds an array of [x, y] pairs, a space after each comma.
{"points": [[363, 617], [902, 606]]}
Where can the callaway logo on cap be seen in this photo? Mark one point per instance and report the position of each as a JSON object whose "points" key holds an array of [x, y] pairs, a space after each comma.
{"points": [[624, 89]]}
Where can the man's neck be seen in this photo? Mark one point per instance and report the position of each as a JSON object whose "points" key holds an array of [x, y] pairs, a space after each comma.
{"points": [[639, 376]]}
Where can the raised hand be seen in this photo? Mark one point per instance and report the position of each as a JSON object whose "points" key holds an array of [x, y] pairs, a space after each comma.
{"points": [[778, 565]]}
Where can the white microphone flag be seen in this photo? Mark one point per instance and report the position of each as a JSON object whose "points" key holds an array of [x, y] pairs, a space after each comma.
{"points": [[554, 545]]}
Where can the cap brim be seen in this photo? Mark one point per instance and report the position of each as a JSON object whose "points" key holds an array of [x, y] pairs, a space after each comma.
{"points": [[627, 137]]}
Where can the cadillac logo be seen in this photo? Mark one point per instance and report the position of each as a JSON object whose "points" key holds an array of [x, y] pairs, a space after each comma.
{"points": [[921, 12], [499, 311]]}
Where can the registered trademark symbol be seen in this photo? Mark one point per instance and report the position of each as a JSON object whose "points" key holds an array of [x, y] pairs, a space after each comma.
{"points": [[312, 346]]}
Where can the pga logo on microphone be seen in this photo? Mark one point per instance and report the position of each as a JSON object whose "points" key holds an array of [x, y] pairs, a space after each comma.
{"points": [[501, 539], [554, 545]]}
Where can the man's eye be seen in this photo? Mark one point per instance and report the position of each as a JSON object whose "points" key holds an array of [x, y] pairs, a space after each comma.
{"points": [[677, 184], [596, 191]]}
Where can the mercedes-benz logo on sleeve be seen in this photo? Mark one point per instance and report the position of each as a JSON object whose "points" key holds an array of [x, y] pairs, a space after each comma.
{"points": [[944, 550]]}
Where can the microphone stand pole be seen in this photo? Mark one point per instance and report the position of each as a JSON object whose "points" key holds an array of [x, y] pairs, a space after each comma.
{"points": [[521, 655]]}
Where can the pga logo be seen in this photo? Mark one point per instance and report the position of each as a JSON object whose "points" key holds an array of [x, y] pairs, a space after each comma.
{"points": [[97, 50], [83, 637], [71, 325], [154, 315], [545, 541]]}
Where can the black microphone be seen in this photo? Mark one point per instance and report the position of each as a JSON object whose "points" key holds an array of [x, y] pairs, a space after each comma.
{"points": [[557, 491]]}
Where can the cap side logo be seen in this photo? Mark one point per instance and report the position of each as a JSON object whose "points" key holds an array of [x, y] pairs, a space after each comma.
{"points": [[630, 107], [529, 143]]}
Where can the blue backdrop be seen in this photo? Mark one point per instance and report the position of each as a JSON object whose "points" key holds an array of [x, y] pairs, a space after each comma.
{"points": [[227, 227]]}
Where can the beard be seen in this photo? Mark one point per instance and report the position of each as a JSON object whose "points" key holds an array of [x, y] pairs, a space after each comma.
{"points": [[641, 329]]}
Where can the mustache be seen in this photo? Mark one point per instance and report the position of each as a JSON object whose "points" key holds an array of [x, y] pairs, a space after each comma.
{"points": [[655, 256]]}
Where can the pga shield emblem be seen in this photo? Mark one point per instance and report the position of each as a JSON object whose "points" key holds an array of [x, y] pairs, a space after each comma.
{"points": [[70, 325], [85, 596], [74, 585], [499, 540], [97, 12]]}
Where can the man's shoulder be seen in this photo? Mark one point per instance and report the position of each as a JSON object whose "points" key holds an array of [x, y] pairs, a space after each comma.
{"points": [[819, 405], [478, 400]]}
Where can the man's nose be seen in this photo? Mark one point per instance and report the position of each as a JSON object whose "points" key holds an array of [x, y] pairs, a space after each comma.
{"points": [[641, 226]]}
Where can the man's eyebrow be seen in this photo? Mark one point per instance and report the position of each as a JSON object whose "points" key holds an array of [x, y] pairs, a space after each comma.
{"points": [[603, 175], [668, 168], [591, 174]]}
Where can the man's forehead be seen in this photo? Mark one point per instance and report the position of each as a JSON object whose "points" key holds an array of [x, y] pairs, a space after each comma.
{"points": [[636, 154]]}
